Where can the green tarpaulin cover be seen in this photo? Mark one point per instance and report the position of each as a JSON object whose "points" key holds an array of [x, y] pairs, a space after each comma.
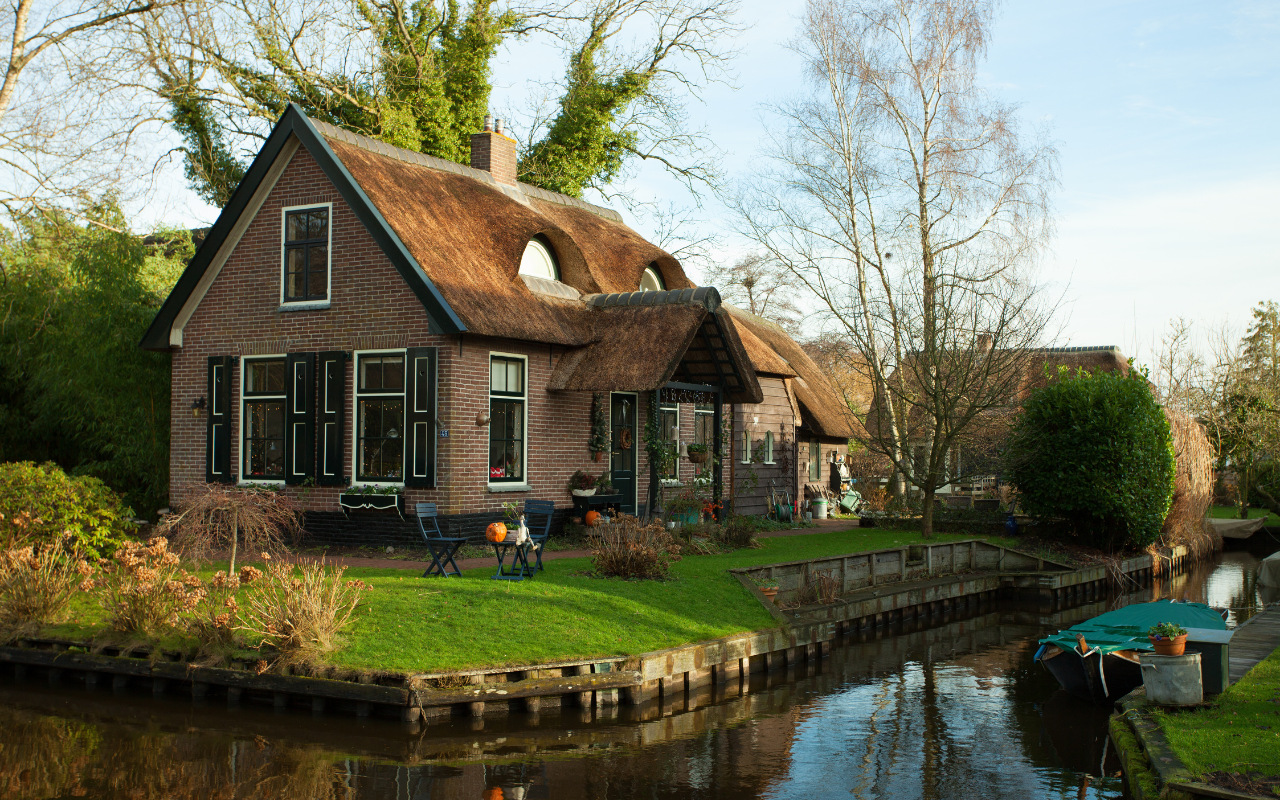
{"points": [[1126, 628]]}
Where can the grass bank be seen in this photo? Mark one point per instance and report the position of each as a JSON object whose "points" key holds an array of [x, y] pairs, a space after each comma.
{"points": [[1230, 512], [1239, 733]]}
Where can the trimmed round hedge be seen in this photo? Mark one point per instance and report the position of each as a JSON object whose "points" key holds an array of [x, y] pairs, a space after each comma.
{"points": [[1095, 450]]}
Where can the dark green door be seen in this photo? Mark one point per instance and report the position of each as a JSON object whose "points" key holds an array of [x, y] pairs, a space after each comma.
{"points": [[622, 454]]}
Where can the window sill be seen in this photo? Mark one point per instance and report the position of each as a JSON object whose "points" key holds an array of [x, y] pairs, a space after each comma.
{"points": [[671, 483], [313, 305], [510, 487]]}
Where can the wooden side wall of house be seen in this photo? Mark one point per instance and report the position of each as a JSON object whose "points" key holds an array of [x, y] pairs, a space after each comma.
{"points": [[752, 474], [371, 308]]}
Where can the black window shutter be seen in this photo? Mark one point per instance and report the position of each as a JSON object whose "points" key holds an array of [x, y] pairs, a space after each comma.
{"points": [[299, 417], [331, 372], [420, 407], [217, 447]]}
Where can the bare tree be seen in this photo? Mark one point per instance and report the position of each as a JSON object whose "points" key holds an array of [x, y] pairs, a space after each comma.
{"points": [[761, 285], [64, 104], [906, 201]]}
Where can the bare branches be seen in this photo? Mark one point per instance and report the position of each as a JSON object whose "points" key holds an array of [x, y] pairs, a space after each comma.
{"points": [[911, 207]]}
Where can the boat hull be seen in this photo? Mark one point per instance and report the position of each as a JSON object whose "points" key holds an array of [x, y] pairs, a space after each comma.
{"points": [[1099, 677]]}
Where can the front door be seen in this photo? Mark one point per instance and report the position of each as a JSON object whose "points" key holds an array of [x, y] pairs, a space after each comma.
{"points": [[622, 451]]}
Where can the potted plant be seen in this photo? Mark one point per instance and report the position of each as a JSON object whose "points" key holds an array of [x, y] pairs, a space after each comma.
{"points": [[768, 587], [582, 484], [604, 485], [697, 453], [1168, 638]]}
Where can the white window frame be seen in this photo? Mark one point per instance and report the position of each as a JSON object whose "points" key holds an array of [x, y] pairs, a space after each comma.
{"points": [[746, 445], [488, 436], [768, 447], [243, 478], [355, 413], [328, 289], [671, 480]]}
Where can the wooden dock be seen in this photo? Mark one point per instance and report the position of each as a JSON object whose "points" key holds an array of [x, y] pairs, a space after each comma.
{"points": [[1253, 641]]}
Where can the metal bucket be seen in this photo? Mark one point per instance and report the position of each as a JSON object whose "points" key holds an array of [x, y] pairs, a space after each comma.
{"points": [[819, 507], [1172, 680]]}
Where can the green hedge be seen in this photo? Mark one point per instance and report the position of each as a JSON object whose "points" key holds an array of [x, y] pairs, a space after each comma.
{"points": [[1095, 450], [41, 503]]}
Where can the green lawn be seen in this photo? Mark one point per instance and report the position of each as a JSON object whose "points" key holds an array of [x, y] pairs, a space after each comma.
{"points": [[1240, 732], [1230, 512], [413, 624]]}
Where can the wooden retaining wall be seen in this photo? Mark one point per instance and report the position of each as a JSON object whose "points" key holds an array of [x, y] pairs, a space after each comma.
{"points": [[883, 587]]}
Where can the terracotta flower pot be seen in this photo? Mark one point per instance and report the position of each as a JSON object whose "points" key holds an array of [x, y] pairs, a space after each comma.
{"points": [[1169, 647], [770, 592]]}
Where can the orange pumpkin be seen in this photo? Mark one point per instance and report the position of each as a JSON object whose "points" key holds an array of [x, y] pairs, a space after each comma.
{"points": [[496, 532], [493, 793], [592, 518]]}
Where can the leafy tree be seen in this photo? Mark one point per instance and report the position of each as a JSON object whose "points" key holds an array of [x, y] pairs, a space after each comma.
{"points": [[1095, 450], [226, 70], [76, 298]]}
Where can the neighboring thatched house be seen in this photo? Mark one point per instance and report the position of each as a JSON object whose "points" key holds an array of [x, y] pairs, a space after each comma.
{"points": [[368, 319]]}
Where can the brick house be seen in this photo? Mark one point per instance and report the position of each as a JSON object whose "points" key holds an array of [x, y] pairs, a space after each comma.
{"points": [[366, 317]]}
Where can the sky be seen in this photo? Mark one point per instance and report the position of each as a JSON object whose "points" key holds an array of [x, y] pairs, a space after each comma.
{"points": [[1164, 115]]}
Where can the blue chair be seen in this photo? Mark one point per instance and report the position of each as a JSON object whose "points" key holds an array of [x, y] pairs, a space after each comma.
{"points": [[442, 547], [537, 518]]}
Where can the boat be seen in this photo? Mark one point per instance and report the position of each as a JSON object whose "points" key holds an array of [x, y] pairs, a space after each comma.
{"points": [[1098, 658], [1237, 528]]}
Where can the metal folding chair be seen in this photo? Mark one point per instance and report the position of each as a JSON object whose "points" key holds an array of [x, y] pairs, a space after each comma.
{"points": [[537, 518], [442, 547]]}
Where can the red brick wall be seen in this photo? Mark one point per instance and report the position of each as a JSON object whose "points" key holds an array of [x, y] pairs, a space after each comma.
{"points": [[372, 308]]}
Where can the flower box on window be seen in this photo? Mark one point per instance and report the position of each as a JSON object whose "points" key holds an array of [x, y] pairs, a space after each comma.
{"points": [[352, 501]]}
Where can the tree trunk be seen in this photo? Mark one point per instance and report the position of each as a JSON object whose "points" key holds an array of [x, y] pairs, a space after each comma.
{"points": [[235, 540], [926, 513]]}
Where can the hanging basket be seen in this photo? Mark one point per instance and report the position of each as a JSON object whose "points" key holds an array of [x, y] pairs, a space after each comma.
{"points": [[698, 458]]}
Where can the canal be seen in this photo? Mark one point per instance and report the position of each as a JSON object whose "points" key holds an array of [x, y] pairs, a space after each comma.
{"points": [[955, 709]]}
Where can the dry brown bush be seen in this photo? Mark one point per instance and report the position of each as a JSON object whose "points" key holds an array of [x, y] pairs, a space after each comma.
{"points": [[627, 549], [298, 609], [144, 591], [225, 520], [36, 585], [1192, 487]]}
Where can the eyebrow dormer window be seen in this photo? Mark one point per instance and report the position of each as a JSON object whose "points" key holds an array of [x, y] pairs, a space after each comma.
{"points": [[539, 260], [651, 280], [306, 255]]}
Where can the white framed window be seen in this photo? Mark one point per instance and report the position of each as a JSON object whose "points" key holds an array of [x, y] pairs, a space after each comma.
{"points": [[651, 280], [379, 416], [704, 431], [508, 423], [768, 447], [815, 461], [539, 260], [262, 419], [669, 429], [306, 254], [746, 445]]}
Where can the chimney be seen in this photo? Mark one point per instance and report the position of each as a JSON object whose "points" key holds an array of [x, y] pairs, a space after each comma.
{"points": [[493, 151]]}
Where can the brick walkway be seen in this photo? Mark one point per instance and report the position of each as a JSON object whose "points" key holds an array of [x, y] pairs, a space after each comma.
{"points": [[820, 526]]}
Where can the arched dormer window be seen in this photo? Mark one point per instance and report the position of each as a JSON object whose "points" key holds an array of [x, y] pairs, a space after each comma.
{"points": [[539, 260], [651, 280]]}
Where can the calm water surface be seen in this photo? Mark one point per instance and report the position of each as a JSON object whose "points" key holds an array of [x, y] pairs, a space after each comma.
{"points": [[957, 710]]}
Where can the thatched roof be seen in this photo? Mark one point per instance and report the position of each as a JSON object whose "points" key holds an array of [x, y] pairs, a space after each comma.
{"points": [[647, 339], [773, 352], [1091, 359]]}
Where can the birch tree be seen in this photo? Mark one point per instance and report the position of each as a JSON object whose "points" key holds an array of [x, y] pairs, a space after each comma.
{"points": [[911, 205]]}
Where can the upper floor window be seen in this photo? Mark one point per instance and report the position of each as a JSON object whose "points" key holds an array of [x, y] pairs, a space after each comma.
{"points": [[539, 260], [651, 280], [306, 255]]}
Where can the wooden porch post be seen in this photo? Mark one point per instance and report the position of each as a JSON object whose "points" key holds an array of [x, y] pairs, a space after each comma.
{"points": [[717, 468]]}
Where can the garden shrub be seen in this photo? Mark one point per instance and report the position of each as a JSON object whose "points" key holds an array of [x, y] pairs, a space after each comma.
{"points": [[737, 532], [297, 610], [144, 591], [36, 585], [221, 520], [40, 504], [627, 549], [1096, 451]]}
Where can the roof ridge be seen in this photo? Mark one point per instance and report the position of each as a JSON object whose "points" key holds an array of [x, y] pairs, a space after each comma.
{"points": [[1107, 348], [381, 148]]}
